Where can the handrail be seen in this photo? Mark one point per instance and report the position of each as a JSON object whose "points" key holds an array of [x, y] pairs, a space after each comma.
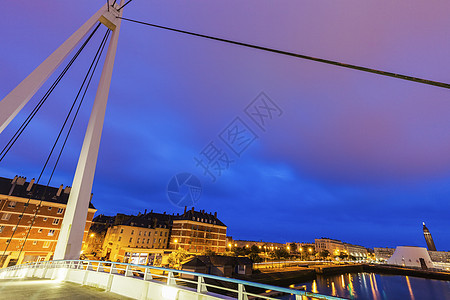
{"points": [[127, 268]]}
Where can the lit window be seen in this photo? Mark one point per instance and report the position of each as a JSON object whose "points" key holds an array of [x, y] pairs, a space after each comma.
{"points": [[1, 228], [46, 244], [45, 219], [156, 232], [60, 210], [12, 204], [55, 222], [40, 230], [6, 217], [51, 232]]}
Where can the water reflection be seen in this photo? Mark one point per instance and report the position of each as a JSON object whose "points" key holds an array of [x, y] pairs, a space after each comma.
{"points": [[378, 287]]}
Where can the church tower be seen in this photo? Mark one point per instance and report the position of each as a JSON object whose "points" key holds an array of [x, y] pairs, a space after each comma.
{"points": [[428, 238]]}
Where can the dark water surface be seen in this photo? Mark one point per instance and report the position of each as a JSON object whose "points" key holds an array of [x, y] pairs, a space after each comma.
{"points": [[376, 287]]}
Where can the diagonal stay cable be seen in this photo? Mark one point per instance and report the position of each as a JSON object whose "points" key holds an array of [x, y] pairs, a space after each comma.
{"points": [[48, 157], [89, 74], [35, 110], [301, 56]]}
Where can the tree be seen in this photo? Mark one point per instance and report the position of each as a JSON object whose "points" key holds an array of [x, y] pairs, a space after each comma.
{"points": [[255, 257], [324, 254], [254, 249], [209, 252], [177, 257]]}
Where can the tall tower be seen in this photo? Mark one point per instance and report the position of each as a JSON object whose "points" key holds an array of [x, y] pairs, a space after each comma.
{"points": [[428, 238]]}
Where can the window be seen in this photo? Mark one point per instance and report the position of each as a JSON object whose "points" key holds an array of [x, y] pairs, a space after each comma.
{"points": [[1, 228], [120, 238], [46, 244], [40, 230], [6, 217], [137, 240], [160, 234], [164, 241], [159, 240], [12, 204], [148, 241], [121, 230], [60, 210], [55, 222], [156, 232], [132, 231], [145, 233], [49, 208], [51, 232], [20, 217], [140, 232], [35, 243], [130, 240], [154, 240], [45, 219], [165, 233]]}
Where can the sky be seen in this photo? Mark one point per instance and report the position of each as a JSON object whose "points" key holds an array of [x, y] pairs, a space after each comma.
{"points": [[346, 155]]}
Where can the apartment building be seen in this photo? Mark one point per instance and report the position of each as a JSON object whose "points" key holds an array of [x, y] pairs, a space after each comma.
{"points": [[30, 219], [198, 231]]}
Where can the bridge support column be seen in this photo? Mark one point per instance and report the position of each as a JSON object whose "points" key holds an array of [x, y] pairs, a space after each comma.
{"points": [[74, 222]]}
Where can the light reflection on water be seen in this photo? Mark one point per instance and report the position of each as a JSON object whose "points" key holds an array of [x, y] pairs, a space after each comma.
{"points": [[372, 286]]}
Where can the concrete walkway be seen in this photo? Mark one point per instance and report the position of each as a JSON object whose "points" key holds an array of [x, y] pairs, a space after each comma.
{"points": [[37, 289]]}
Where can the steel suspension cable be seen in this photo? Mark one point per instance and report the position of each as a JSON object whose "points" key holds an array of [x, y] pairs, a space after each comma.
{"points": [[44, 98], [89, 74], [54, 145], [301, 56]]}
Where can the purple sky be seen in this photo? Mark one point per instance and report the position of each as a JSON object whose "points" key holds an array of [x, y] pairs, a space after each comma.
{"points": [[354, 156]]}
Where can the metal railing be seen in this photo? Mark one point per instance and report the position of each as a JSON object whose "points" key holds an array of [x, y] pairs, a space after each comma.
{"points": [[199, 282]]}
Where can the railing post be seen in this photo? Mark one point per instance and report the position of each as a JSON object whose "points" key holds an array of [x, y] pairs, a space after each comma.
{"points": [[147, 274], [201, 286], [242, 295], [171, 279], [100, 267], [128, 273]]}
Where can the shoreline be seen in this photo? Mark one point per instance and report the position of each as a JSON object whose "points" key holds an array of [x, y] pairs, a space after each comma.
{"points": [[294, 275]]}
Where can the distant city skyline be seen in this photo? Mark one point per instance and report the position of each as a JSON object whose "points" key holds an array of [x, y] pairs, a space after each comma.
{"points": [[354, 156]]}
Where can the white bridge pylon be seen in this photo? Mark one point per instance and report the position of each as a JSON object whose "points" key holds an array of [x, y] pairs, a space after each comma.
{"points": [[72, 228]]}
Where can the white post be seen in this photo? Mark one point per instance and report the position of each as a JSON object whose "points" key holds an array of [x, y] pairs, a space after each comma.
{"points": [[74, 222], [18, 97]]}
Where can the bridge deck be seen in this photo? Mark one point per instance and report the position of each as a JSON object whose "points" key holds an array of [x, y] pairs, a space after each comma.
{"points": [[35, 289]]}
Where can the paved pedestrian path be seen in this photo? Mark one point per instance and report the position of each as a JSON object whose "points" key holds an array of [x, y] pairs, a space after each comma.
{"points": [[37, 289]]}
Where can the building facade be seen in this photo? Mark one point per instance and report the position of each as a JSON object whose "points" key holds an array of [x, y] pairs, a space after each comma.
{"points": [[137, 234], [383, 254], [334, 247], [198, 232], [30, 219]]}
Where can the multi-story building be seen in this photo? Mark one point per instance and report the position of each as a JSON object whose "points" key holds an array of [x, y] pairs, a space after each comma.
{"points": [[334, 247], [440, 256], [198, 232], [30, 220], [138, 237], [358, 252], [383, 254]]}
